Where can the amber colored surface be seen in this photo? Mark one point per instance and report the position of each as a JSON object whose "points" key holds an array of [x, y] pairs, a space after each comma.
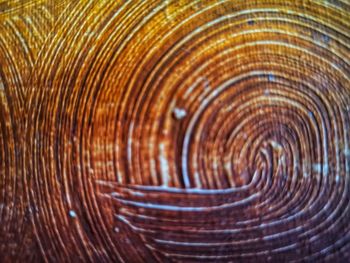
{"points": [[175, 131]]}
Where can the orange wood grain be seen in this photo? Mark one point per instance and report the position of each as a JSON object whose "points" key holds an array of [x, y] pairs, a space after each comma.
{"points": [[175, 131]]}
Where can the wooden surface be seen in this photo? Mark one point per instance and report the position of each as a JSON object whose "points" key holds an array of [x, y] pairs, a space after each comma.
{"points": [[175, 131]]}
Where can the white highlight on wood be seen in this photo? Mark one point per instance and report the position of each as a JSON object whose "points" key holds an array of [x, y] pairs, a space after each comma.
{"points": [[164, 166], [72, 214], [179, 113]]}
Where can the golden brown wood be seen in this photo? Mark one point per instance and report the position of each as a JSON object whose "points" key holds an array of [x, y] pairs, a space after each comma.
{"points": [[185, 131]]}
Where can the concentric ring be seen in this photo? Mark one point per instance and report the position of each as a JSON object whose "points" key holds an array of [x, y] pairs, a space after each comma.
{"points": [[217, 130]]}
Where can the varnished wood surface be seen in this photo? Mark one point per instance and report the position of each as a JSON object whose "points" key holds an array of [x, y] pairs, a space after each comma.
{"points": [[175, 131]]}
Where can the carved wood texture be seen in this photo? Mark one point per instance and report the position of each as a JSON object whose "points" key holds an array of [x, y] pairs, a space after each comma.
{"points": [[175, 131]]}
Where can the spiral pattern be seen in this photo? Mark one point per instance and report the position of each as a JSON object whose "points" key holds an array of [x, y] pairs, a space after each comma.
{"points": [[185, 131]]}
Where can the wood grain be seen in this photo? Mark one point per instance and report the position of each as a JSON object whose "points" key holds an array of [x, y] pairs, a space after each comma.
{"points": [[175, 131]]}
